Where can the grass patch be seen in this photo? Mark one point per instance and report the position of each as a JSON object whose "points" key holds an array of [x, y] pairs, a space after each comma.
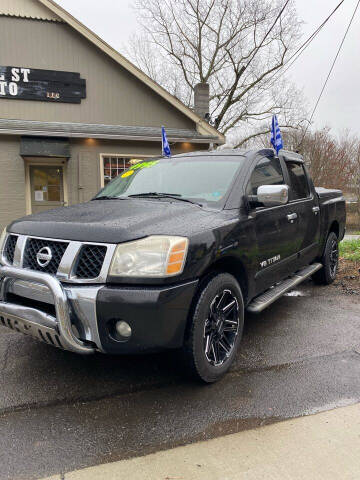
{"points": [[350, 250]]}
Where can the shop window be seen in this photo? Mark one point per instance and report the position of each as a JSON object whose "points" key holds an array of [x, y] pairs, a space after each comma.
{"points": [[115, 165]]}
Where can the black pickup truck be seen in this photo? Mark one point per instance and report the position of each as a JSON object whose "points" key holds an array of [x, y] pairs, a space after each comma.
{"points": [[170, 254]]}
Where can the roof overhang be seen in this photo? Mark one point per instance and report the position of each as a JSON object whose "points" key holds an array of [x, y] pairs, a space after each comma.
{"points": [[31, 9], [105, 132]]}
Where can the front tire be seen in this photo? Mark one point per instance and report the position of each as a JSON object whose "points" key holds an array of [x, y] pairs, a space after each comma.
{"points": [[216, 328], [330, 261]]}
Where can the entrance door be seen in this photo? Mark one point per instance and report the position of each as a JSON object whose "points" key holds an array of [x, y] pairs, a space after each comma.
{"points": [[47, 187]]}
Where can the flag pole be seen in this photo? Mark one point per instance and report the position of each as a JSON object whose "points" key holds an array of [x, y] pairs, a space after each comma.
{"points": [[162, 142]]}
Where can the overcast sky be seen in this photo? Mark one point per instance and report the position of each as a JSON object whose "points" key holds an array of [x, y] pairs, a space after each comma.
{"points": [[115, 20]]}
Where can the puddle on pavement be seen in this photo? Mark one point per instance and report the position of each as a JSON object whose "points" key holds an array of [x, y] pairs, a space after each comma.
{"points": [[297, 293]]}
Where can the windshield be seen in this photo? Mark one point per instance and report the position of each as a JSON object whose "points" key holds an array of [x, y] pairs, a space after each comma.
{"points": [[202, 179]]}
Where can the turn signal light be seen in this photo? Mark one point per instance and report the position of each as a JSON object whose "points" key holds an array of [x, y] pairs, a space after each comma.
{"points": [[177, 258]]}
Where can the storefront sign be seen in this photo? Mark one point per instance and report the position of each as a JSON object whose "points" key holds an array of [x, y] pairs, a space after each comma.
{"points": [[42, 85]]}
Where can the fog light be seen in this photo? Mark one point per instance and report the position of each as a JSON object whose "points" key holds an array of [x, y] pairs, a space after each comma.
{"points": [[123, 329]]}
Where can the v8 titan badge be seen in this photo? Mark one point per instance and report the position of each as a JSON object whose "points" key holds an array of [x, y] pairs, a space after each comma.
{"points": [[270, 261]]}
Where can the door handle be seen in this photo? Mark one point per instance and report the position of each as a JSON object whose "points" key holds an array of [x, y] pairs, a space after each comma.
{"points": [[316, 210], [291, 217]]}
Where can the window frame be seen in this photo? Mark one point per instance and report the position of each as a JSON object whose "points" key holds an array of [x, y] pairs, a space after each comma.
{"points": [[118, 155], [288, 182], [284, 174]]}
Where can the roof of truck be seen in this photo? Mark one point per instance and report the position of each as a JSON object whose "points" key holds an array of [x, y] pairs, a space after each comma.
{"points": [[237, 152], [213, 153], [292, 155], [222, 152]]}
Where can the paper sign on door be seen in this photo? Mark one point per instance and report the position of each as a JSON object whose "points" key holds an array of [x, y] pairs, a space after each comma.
{"points": [[39, 196]]}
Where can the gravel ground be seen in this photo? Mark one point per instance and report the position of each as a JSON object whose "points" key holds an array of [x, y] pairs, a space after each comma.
{"points": [[348, 279]]}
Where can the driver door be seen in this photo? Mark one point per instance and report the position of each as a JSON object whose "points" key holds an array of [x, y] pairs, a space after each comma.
{"points": [[276, 228]]}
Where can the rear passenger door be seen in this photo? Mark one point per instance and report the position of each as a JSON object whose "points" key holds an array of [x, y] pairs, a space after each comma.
{"points": [[275, 252], [305, 204]]}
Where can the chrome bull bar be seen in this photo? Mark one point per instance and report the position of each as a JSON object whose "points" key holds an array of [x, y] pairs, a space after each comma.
{"points": [[59, 328]]}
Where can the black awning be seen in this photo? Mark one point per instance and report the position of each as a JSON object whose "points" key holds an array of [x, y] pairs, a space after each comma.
{"points": [[44, 147]]}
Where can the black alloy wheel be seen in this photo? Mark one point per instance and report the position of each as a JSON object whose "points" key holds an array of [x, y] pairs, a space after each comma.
{"points": [[221, 328], [334, 257], [215, 327], [330, 261]]}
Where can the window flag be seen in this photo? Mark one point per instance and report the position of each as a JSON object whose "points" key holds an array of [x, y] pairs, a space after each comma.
{"points": [[276, 138], [165, 144]]}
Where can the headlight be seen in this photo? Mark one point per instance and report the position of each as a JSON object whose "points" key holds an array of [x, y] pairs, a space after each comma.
{"points": [[155, 256], [2, 242]]}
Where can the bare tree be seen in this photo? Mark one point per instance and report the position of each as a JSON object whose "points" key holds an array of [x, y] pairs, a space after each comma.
{"points": [[331, 159], [237, 46]]}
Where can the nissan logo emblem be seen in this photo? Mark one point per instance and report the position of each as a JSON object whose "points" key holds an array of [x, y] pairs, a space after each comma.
{"points": [[44, 257]]}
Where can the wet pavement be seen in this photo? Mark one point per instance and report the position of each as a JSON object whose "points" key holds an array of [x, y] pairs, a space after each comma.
{"points": [[60, 412]]}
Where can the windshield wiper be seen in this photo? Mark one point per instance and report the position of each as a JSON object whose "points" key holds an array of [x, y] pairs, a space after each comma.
{"points": [[105, 197], [154, 194], [175, 196]]}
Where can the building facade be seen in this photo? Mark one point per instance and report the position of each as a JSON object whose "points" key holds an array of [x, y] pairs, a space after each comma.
{"points": [[75, 113]]}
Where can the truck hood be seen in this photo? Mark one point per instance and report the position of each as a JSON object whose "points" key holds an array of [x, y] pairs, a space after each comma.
{"points": [[115, 221]]}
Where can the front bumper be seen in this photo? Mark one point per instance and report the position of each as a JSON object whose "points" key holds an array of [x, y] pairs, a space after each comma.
{"points": [[80, 317], [53, 329], [157, 316]]}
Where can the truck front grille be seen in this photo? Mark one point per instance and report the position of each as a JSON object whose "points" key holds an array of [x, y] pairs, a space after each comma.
{"points": [[35, 245], [91, 259], [71, 261], [10, 248]]}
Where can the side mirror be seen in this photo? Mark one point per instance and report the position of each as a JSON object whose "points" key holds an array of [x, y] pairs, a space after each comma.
{"points": [[273, 195]]}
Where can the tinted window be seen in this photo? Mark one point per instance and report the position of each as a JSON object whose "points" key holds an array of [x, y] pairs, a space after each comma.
{"points": [[267, 172], [298, 181]]}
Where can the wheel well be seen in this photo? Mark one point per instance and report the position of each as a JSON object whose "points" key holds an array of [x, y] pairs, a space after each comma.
{"points": [[229, 265], [335, 228], [226, 265]]}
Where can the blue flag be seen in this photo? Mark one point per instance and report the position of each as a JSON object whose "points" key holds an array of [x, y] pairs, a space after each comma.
{"points": [[276, 138], [165, 144]]}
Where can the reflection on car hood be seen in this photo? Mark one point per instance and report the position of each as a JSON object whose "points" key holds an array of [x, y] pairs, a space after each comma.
{"points": [[115, 221]]}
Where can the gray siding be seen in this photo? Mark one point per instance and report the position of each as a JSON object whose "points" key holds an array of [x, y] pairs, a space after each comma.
{"points": [[114, 96], [12, 181], [83, 170]]}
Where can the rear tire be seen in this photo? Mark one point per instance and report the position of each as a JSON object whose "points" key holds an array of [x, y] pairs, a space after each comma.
{"points": [[330, 260], [216, 328]]}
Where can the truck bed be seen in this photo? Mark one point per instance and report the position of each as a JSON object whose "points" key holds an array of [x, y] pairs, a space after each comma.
{"points": [[332, 210], [325, 194]]}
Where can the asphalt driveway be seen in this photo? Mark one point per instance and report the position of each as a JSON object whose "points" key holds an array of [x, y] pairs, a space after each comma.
{"points": [[60, 411]]}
